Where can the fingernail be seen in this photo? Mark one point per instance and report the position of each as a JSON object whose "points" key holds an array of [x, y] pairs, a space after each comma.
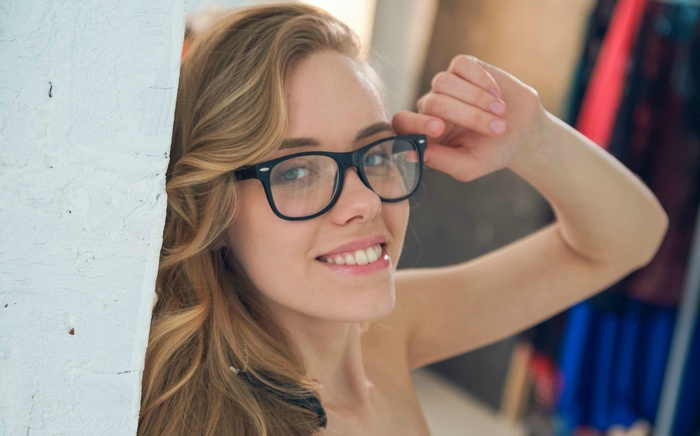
{"points": [[433, 127], [496, 92], [498, 126], [497, 108]]}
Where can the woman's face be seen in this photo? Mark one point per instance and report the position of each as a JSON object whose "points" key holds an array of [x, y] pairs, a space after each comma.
{"points": [[333, 106]]}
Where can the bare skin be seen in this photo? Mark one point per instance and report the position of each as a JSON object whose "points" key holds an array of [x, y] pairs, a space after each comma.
{"points": [[608, 224]]}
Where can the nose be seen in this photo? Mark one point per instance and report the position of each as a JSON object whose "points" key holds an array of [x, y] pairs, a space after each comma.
{"points": [[356, 202]]}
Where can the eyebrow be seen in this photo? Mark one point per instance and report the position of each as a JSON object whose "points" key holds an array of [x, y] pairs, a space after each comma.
{"points": [[372, 130], [365, 133]]}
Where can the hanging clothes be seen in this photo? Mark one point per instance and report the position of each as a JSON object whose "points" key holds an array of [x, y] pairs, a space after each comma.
{"points": [[598, 25], [657, 137], [602, 99], [615, 345]]}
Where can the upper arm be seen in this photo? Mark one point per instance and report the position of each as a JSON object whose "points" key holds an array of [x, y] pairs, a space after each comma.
{"points": [[451, 310]]}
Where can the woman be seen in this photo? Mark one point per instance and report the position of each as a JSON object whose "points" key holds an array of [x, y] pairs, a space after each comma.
{"points": [[279, 308]]}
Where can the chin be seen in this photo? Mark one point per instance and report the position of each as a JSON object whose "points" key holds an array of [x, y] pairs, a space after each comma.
{"points": [[380, 305]]}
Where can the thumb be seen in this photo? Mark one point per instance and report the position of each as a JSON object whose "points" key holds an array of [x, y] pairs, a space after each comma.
{"points": [[406, 122]]}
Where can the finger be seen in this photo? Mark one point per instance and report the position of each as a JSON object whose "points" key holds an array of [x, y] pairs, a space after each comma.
{"points": [[406, 122], [506, 81], [453, 162], [462, 114], [453, 85], [471, 69]]}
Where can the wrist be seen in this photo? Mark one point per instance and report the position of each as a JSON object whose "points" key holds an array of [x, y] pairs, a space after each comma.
{"points": [[536, 145]]}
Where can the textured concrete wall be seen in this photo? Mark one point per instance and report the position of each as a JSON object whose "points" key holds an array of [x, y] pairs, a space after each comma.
{"points": [[87, 95]]}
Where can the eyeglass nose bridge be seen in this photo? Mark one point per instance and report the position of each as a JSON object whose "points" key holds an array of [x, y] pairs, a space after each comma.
{"points": [[351, 160]]}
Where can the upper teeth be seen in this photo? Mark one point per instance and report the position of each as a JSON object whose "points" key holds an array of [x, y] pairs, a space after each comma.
{"points": [[357, 257]]}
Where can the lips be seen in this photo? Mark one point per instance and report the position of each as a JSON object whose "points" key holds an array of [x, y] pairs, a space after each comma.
{"points": [[354, 257]]}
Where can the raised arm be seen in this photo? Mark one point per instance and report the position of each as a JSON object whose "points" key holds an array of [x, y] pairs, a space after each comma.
{"points": [[480, 119]]}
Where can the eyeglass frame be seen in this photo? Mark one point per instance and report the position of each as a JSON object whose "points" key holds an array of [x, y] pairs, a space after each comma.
{"points": [[344, 160]]}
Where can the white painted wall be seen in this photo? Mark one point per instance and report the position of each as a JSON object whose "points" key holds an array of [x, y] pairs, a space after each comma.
{"points": [[87, 95]]}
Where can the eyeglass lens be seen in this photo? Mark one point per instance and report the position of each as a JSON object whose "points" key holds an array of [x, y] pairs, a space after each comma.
{"points": [[305, 185]]}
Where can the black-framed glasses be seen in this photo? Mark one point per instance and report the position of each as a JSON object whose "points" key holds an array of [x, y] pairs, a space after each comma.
{"points": [[305, 185]]}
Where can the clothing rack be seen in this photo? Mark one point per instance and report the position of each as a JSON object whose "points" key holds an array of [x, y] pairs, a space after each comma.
{"points": [[682, 338]]}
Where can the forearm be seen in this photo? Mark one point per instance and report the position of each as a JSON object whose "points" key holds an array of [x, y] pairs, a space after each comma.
{"points": [[605, 212]]}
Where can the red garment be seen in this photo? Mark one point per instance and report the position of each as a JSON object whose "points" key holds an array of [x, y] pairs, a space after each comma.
{"points": [[602, 99]]}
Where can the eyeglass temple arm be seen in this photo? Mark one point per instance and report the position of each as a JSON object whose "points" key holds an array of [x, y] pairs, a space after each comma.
{"points": [[245, 173]]}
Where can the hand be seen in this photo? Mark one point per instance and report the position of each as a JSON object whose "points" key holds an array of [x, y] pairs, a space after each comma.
{"points": [[478, 119]]}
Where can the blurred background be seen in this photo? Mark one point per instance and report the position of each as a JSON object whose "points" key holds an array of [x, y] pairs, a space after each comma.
{"points": [[627, 74]]}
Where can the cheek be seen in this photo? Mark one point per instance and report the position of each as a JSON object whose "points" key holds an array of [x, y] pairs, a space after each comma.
{"points": [[396, 218], [260, 253], [253, 229], [266, 245]]}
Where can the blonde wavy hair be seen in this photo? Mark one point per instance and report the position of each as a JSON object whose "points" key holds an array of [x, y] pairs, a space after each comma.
{"points": [[231, 111]]}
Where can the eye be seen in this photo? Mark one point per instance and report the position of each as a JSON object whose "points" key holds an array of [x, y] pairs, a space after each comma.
{"points": [[298, 171], [291, 174], [376, 159]]}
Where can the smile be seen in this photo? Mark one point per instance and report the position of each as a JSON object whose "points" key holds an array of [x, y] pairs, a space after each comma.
{"points": [[357, 257]]}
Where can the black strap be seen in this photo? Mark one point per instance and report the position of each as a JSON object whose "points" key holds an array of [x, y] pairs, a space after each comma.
{"points": [[309, 402]]}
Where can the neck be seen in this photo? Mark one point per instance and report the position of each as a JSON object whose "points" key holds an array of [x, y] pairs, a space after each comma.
{"points": [[332, 354]]}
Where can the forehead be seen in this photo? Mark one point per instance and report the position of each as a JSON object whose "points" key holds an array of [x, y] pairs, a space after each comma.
{"points": [[331, 97]]}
